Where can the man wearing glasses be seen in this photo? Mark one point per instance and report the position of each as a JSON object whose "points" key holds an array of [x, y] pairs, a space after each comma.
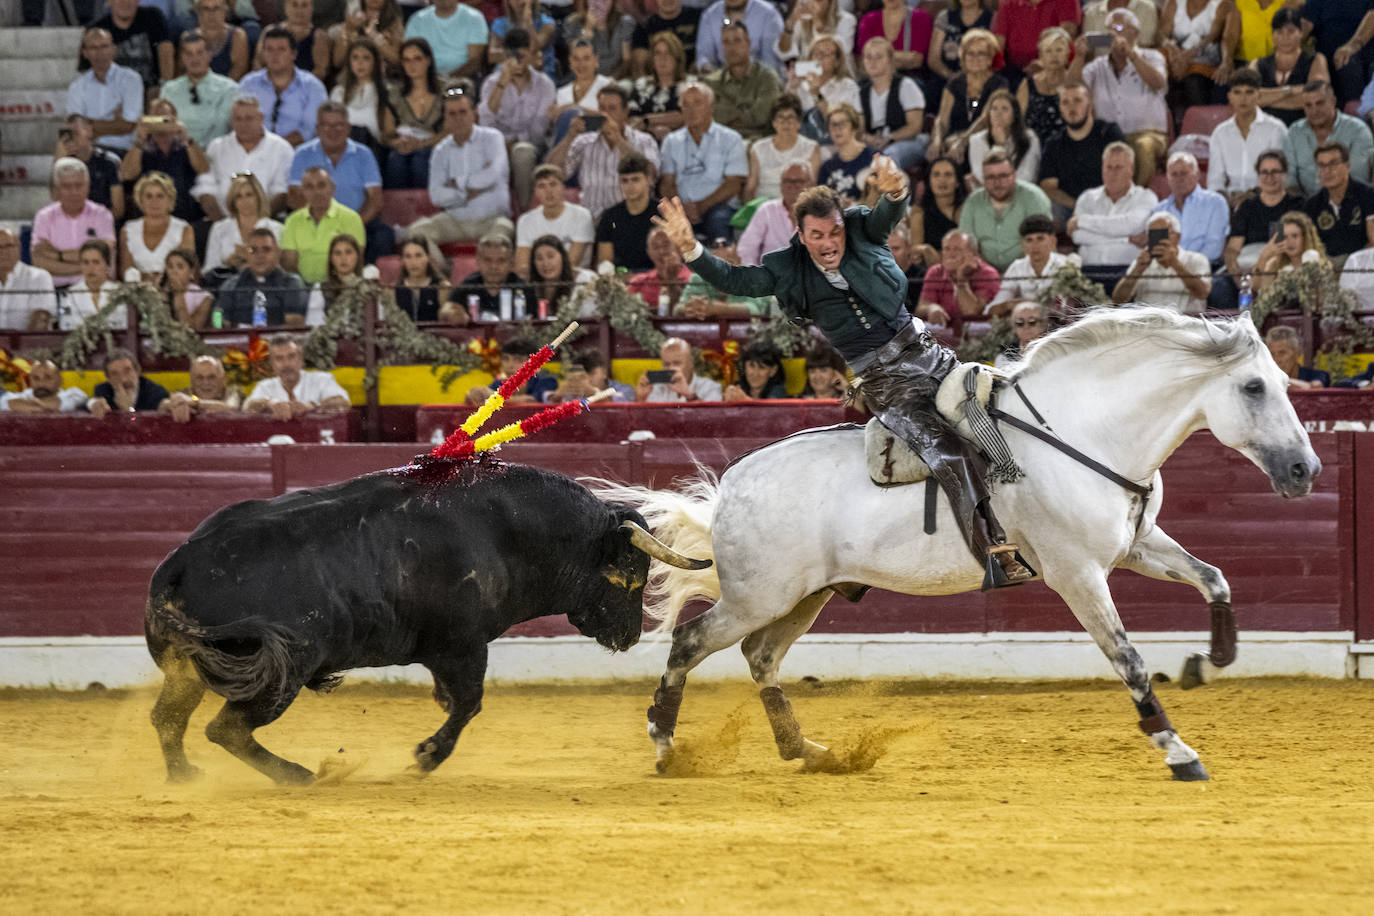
{"points": [[287, 95], [704, 164], [469, 176], [1252, 226], [1322, 123], [203, 98], [764, 23], [1344, 208]]}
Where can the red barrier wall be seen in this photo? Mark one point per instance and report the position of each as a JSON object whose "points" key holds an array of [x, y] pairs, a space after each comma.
{"points": [[82, 529]]}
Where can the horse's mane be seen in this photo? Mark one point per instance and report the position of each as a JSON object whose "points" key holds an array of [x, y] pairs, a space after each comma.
{"points": [[1221, 341]]}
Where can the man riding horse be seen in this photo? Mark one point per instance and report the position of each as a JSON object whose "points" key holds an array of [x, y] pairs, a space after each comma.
{"points": [[838, 273]]}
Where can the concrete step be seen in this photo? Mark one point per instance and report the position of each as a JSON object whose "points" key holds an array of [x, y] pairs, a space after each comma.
{"points": [[40, 42], [18, 105], [54, 73], [33, 169], [33, 138], [20, 203]]}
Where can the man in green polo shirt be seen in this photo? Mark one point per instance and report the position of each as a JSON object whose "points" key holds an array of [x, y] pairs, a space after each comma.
{"points": [[202, 97], [993, 213], [308, 231]]}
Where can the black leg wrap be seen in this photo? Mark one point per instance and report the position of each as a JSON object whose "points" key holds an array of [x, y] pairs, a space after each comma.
{"points": [[667, 702], [1152, 717], [1223, 633], [786, 731]]}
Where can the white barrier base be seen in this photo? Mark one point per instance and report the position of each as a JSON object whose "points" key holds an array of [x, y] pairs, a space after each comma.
{"points": [[75, 662]]}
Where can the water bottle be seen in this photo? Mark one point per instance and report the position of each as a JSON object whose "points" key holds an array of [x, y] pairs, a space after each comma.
{"points": [[504, 304], [1247, 293], [519, 304], [217, 317], [665, 303], [259, 309]]}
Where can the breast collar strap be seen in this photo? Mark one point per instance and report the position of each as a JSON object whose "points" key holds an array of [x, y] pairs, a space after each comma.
{"points": [[1047, 436]]}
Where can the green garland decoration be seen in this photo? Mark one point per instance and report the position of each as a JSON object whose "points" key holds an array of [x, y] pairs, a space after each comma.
{"points": [[165, 335], [1315, 290], [614, 302], [399, 341], [1069, 294]]}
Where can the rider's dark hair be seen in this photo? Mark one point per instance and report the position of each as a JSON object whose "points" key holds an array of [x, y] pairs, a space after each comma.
{"points": [[820, 202]]}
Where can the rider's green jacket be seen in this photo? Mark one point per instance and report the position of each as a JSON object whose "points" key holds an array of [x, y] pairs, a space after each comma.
{"points": [[877, 286]]}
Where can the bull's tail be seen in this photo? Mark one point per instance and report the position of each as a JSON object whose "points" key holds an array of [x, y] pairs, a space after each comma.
{"points": [[241, 660], [681, 519]]}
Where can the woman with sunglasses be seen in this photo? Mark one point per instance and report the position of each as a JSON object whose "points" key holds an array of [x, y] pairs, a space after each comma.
{"points": [[1029, 320]]}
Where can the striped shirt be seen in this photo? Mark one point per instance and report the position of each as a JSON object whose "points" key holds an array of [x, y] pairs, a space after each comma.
{"points": [[595, 162]]}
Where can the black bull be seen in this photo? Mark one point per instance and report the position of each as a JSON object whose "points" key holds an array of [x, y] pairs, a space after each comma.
{"points": [[424, 564]]}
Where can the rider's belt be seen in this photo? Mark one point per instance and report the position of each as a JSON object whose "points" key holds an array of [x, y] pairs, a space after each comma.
{"points": [[888, 351]]}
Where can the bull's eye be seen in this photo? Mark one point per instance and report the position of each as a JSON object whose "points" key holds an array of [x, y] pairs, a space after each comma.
{"points": [[1254, 387]]}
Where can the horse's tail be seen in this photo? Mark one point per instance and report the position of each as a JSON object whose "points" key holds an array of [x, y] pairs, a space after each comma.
{"points": [[247, 658], [681, 519]]}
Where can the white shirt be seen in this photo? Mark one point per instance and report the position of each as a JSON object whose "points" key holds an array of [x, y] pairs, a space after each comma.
{"points": [[588, 101], [1231, 157], [1022, 282], [908, 93], [480, 163], [1161, 286], [224, 235], [362, 109], [68, 399], [313, 388], [80, 305], [153, 260], [26, 290], [1127, 99], [1027, 170], [270, 163], [120, 94], [1104, 224], [704, 388], [574, 224]]}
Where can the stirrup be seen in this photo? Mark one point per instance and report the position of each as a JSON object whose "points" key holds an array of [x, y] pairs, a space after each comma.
{"points": [[1016, 570]]}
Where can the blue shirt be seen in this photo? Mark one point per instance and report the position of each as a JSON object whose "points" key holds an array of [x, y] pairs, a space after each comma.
{"points": [[764, 23], [1206, 221], [119, 95], [299, 102], [701, 168], [449, 38], [356, 172]]}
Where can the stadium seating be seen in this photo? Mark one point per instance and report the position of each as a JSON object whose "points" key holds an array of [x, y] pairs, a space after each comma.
{"points": [[1203, 119]]}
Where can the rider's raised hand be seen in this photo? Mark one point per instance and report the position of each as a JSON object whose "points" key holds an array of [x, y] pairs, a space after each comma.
{"points": [[672, 219], [890, 179]]}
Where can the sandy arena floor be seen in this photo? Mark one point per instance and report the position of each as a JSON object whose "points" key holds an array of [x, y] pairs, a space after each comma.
{"points": [[989, 798]]}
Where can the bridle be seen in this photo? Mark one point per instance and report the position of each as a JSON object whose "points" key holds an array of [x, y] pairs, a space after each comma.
{"points": [[1046, 434]]}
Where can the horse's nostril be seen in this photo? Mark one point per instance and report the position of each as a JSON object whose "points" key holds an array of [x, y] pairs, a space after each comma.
{"points": [[1299, 472]]}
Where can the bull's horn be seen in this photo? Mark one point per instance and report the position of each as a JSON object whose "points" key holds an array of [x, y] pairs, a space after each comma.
{"points": [[659, 550]]}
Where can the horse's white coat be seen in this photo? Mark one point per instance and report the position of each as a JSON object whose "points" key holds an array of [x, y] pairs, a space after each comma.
{"points": [[1125, 387]]}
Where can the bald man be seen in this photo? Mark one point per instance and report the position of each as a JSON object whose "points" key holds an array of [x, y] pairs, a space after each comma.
{"points": [[45, 393]]}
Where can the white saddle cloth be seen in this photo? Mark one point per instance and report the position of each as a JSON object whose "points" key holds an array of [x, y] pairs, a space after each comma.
{"points": [[891, 462]]}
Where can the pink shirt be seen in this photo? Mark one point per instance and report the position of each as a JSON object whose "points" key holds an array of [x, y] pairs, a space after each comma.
{"points": [[1020, 22], [770, 229], [67, 232], [914, 37], [939, 289]]}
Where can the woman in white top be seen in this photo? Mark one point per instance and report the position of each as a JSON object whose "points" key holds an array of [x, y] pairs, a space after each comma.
{"points": [[770, 155], [361, 89], [82, 300], [145, 242], [248, 208], [810, 19], [1190, 33], [1007, 131], [831, 85], [581, 92]]}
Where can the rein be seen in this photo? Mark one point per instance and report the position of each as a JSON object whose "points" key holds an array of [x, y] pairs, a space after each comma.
{"points": [[1047, 436]]}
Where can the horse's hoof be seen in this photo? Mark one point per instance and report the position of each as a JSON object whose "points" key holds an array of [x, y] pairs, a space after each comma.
{"points": [[184, 774], [817, 758], [1192, 675], [1192, 771]]}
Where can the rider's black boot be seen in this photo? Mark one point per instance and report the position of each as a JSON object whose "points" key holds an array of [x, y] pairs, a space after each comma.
{"points": [[1003, 566]]}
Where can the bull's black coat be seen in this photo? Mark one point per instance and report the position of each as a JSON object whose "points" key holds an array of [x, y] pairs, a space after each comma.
{"points": [[424, 564]]}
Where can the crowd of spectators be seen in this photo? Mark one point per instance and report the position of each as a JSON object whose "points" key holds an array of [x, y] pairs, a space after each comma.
{"points": [[237, 155]]}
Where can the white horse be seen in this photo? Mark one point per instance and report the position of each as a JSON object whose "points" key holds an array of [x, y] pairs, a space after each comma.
{"points": [[795, 522]]}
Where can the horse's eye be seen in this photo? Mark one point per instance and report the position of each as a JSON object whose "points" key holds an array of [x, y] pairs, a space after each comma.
{"points": [[1254, 386]]}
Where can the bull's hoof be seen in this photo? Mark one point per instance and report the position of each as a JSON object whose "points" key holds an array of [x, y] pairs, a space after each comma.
{"points": [[184, 774], [1192, 771], [1193, 674]]}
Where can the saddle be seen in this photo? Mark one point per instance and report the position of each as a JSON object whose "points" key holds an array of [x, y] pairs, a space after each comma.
{"points": [[962, 400]]}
